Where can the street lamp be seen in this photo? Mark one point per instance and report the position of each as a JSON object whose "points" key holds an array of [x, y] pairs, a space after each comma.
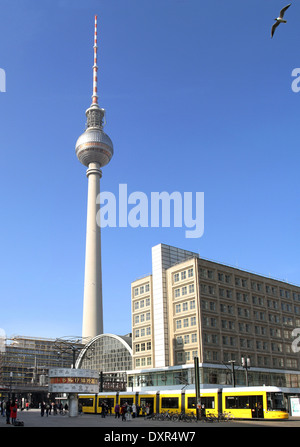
{"points": [[10, 383], [246, 366], [232, 371]]}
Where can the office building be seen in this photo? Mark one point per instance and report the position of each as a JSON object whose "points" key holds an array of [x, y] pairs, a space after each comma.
{"points": [[193, 307]]}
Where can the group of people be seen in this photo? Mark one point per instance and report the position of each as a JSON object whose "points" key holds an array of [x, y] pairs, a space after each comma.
{"points": [[48, 408], [129, 411], [9, 410]]}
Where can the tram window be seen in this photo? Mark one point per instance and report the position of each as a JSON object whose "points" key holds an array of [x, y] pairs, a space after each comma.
{"points": [[86, 401], [108, 400], [169, 402], [242, 401], [208, 402], [275, 401], [124, 400]]}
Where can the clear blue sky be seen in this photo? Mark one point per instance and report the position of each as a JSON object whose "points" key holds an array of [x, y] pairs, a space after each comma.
{"points": [[198, 98]]}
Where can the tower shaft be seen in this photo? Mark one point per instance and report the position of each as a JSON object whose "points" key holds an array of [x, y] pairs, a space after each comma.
{"points": [[94, 149], [92, 324]]}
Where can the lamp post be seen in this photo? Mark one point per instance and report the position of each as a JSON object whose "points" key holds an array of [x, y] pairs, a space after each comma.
{"points": [[197, 387], [246, 366], [232, 372], [10, 383]]}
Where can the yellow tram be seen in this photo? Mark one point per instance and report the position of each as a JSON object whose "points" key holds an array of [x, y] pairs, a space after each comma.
{"points": [[242, 403]]}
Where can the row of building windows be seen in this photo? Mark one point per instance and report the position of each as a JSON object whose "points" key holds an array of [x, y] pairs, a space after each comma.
{"points": [[262, 361], [140, 347], [183, 307], [141, 318], [184, 290], [185, 322], [244, 297], [145, 331], [186, 339], [189, 273], [141, 304], [144, 361], [187, 356], [245, 312], [244, 282], [246, 343], [243, 327], [141, 290]]}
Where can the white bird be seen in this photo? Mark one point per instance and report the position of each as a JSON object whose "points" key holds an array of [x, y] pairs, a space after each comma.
{"points": [[279, 19]]}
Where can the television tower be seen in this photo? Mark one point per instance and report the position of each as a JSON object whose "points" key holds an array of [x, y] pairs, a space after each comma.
{"points": [[94, 149]]}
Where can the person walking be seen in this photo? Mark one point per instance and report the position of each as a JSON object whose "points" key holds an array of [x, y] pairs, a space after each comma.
{"points": [[123, 412], [117, 411], [7, 410], [13, 413], [133, 410]]}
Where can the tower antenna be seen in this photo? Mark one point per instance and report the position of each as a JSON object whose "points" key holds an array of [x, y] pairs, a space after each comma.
{"points": [[95, 67]]}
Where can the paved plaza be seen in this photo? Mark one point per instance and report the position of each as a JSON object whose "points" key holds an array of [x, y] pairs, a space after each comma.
{"points": [[33, 418]]}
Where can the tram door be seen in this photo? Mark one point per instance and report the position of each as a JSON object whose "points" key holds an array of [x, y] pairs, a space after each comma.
{"points": [[144, 401], [256, 405]]}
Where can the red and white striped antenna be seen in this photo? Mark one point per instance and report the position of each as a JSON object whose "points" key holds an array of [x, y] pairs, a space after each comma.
{"points": [[95, 67]]}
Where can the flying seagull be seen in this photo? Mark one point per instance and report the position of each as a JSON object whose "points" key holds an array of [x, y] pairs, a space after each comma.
{"points": [[279, 19]]}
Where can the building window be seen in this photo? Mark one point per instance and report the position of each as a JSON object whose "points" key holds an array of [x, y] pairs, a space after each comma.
{"points": [[191, 288], [177, 293], [176, 277], [183, 275], [190, 273], [194, 338], [178, 308], [193, 321]]}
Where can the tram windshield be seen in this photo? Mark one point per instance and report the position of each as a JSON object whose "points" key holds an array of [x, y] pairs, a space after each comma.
{"points": [[275, 401]]}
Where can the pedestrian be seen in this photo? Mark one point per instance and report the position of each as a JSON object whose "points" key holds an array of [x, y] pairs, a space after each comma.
{"points": [[7, 409], [47, 409], [137, 410], [133, 410], [13, 413], [147, 410], [123, 411], [27, 406], [42, 408], [103, 409], [129, 410], [117, 411]]}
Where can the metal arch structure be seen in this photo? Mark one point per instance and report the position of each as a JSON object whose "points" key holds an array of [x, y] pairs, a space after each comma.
{"points": [[91, 342]]}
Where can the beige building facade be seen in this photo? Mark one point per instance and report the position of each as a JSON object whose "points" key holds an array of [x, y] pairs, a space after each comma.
{"points": [[192, 307]]}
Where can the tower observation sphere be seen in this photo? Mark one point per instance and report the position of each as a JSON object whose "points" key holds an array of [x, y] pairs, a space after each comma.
{"points": [[94, 149]]}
